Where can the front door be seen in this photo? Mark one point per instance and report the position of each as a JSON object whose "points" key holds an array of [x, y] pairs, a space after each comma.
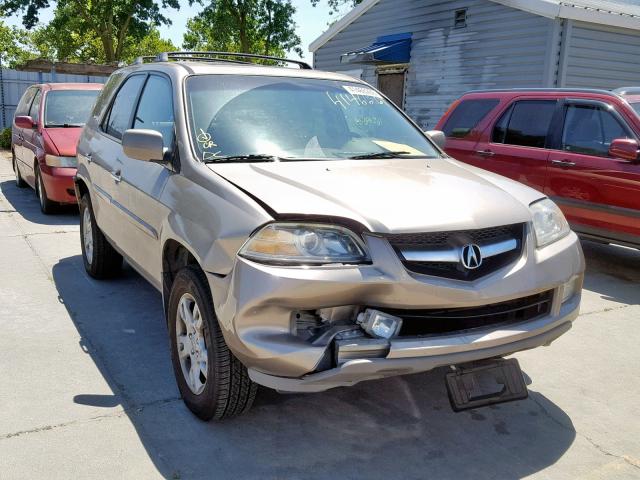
{"points": [[392, 85], [105, 152], [31, 141], [515, 146], [18, 138], [143, 182], [598, 194]]}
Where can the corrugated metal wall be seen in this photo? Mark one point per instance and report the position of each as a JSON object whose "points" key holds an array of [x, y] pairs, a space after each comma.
{"points": [[601, 57], [500, 47], [13, 84]]}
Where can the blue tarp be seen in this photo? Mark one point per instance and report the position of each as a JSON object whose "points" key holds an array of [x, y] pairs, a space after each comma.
{"points": [[386, 49]]}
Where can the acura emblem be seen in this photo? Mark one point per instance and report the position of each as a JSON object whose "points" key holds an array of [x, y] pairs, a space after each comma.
{"points": [[471, 257]]}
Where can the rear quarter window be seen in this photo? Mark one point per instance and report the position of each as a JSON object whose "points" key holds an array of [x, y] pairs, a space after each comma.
{"points": [[467, 115]]}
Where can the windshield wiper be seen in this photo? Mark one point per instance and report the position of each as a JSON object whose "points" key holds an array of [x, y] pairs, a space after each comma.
{"points": [[64, 125], [243, 158], [390, 154]]}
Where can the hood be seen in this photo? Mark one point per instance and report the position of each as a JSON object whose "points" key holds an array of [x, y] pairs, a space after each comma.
{"points": [[387, 196], [64, 139]]}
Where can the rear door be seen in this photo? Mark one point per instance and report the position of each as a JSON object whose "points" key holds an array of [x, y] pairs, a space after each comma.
{"points": [[600, 195], [142, 182], [515, 144]]}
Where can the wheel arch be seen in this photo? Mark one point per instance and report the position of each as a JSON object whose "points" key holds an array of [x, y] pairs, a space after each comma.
{"points": [[175, 256]]}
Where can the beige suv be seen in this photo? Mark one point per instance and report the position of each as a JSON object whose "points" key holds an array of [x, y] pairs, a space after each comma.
{"points": [[306, 234]]}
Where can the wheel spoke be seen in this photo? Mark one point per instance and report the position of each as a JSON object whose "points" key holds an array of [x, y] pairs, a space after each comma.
{"points": [[184, 348]]}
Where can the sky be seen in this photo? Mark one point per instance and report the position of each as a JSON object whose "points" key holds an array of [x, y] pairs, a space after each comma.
{"points": [[311, 22]]}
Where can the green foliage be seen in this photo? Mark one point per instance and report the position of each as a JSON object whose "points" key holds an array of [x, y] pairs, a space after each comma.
{"points": [[14, 46], [80, 27], [335, 5], [250, 26], [5, 138]]}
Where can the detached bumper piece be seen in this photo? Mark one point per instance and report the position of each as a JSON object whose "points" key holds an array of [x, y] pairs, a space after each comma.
{"points": [[485, 383]]}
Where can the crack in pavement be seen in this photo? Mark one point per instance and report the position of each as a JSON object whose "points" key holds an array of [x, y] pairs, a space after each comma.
{"points": [[34, 234], [605, 310], [625, 458], [137, 409]]}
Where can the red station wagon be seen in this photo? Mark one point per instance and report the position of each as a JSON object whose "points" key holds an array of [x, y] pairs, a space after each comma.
{"points": [[580, 147], [46, 128]]}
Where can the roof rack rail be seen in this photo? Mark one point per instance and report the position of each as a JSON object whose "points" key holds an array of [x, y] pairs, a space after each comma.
{"points": [[226, 57], [550, 90], [627, 91]]}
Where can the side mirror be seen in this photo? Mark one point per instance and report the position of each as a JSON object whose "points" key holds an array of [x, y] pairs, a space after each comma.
{"points": [[438, 137], [24, 121], [144, 145], [625, 148]]}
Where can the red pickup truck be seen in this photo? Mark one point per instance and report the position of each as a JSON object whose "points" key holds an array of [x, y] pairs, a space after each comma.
{"points": [[580, 147]]}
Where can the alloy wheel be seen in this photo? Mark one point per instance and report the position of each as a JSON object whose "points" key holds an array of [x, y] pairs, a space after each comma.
{"points": [[192, 348], [87, 235]]}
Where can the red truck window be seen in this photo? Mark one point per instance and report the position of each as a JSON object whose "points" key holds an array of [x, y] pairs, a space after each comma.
{"points": [[467, 115], [525, 123], [590, 130]]}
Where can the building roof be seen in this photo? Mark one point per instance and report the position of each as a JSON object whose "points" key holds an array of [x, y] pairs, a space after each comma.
{"points": [[614, 13]]}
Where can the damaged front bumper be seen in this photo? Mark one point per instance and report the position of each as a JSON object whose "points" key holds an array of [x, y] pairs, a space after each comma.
{"points": [[257, 307]]}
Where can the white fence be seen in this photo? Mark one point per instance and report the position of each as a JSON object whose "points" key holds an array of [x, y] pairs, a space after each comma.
{"points": [[13, 83]]}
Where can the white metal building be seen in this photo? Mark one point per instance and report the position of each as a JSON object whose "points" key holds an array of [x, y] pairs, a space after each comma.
{"points": [[425, 53]]}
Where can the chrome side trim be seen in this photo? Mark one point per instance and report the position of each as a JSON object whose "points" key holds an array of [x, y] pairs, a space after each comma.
{"points": [[137, 221], [452, 255]]}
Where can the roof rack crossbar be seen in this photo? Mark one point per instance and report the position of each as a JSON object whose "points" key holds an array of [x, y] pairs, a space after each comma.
{"points": [[211, 55]]}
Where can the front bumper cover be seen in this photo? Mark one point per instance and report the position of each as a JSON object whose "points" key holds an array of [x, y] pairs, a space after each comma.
{"points": [[255, 303]]}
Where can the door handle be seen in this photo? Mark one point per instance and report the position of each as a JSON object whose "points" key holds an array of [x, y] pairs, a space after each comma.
{"points": [[563, 163], [116, 176], [485, 153]]}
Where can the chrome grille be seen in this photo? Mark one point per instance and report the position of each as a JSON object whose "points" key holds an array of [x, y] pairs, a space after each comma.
{"points": [[440, 250]]}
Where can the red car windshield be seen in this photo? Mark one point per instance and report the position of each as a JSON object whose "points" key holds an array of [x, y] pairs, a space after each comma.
{"points": [[68, 108]]}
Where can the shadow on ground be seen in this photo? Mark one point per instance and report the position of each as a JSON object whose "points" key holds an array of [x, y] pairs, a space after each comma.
{"points": [[24, 201], [394, 428], [620, 264]]}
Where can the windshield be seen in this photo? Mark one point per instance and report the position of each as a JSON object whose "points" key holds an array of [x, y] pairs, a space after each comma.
{"points": [[68, 108], [253, 118]]}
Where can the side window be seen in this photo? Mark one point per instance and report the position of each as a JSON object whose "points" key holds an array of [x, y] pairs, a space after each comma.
{"points": [[155, 110], [34, 112], [119, 117], [467, 115], [526, 123], [25, 101], [590, 130]]}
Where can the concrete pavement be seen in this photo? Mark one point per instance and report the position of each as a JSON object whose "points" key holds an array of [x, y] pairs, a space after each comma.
{"points": [[87, 388]]}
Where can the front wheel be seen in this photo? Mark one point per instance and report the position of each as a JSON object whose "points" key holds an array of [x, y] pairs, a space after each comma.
{"points": [[46, 206], [101, 260], [212, 381], [20, 183]]}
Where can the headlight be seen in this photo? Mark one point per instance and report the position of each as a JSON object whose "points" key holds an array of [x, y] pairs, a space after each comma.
{"points": [[548, 222], [55, 161], [300, 244]]}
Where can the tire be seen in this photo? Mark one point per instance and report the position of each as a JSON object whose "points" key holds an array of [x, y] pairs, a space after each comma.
{"points": [[100, 259], [227, 390], [20, 183], [46, 206]]}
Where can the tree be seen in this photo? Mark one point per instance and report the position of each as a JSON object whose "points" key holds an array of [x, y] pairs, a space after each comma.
{"points": [[60, 45], [335, 5], [113, 22], [14, 46], [250, 26]]}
